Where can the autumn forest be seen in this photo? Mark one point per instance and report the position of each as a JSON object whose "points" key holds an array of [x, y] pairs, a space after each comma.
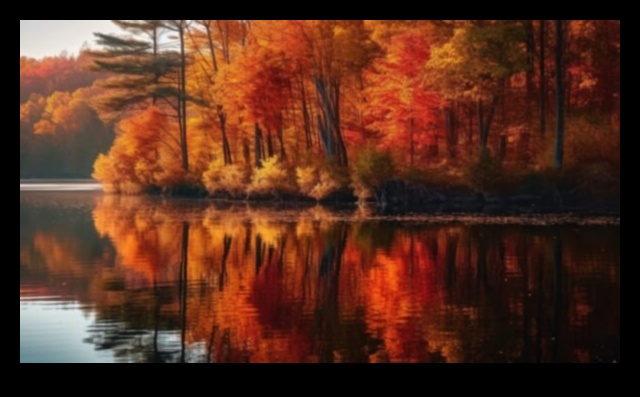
{"points": [[331, 109], [320, 191]]}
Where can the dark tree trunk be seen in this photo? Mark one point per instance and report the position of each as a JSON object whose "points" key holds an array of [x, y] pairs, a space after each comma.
{"points": [[269, 143], [212, 49], [530, 43], [484, 122], [481, 141], [182, 100], [543, 79], [342, 150], [329, 121], [305, 115], [469, 113], [258, 146], [283, 153], [559, 151], [452, 137], [246, 152], [226, 149]]}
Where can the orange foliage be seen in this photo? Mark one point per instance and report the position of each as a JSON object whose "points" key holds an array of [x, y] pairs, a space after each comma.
{"points": [[400, 108], [143, 154], [321, 89], [316, 286]]}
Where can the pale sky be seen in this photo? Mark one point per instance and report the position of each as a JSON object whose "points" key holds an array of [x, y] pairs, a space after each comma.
{"points": [[48, 38]]}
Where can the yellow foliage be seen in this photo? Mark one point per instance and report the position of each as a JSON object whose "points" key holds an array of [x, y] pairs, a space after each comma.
{"points": [[224, 178], [32, 110], [272, 178], [318, 184], [307, 178], [144, 153], [105, 172], [44, 127], [325, 186]]}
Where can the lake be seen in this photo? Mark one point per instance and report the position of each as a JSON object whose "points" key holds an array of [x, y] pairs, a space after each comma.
{"points": [[149, 279]]}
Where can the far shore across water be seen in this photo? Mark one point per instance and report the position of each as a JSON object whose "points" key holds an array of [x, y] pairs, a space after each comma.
{"points": [[59, 185]]}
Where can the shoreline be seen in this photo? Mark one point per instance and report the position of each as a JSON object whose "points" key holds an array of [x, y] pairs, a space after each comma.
{"points": [[428, 202]]}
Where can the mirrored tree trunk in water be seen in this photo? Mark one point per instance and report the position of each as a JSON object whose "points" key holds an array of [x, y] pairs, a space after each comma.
{"points": [[163, 281]]}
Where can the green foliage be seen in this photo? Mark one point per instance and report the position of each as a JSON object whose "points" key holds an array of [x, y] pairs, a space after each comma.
{"points": [[475, 60], [138, 70], [371, 171]]}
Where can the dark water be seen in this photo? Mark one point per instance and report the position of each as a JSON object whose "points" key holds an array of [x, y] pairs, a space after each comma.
{"points": [[106, 279]]}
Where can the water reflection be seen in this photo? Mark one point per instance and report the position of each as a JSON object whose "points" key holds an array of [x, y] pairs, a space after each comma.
{"points": [[176, 281]]}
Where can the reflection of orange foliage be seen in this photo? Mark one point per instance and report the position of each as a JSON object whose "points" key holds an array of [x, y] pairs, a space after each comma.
{"points": [[398, 287], [300, 287], [145, 243], [58, 254]]}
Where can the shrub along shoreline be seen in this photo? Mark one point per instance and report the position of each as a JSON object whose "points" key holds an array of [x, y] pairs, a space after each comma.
{"points": [[478, 186]]}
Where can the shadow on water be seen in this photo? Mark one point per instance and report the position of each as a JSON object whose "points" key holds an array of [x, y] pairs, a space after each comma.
{"points": [[186, 281]]}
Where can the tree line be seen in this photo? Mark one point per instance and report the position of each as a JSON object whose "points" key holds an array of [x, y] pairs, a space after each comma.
{"points": [[303, 107], [61, 132]]}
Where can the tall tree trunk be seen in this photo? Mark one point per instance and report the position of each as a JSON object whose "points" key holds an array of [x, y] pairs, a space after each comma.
{"points": [[530, 44], [283, 153], [258, 146], [246, 152], [182, 101], [451, 132], [543, 79], [342, 150], [329, 120], [207, 26], [222, 116], [484, 122], [469, 114], [226, 149], [481, 141], [154, 38], [559, 152], [269, 143], [305, 115]]}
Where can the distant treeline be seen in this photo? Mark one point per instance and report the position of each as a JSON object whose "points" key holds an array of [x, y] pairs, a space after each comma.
{"points": [[60, 132]]}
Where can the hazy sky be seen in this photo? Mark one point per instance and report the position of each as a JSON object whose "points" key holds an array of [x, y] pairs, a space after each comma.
{"points": [[44, 38]]}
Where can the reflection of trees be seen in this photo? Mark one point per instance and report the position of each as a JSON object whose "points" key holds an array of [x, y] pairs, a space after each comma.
{"points": [[190, 282]]}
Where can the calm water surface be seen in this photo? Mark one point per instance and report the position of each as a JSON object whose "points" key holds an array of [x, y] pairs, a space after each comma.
{"points": [[126, 279]]}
